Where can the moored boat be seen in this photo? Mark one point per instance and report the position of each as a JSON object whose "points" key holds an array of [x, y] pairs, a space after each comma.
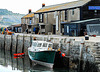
{"points": [[42, 52]]}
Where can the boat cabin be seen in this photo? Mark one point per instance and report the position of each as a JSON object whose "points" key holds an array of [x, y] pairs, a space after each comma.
{"points": [[41, 45]]}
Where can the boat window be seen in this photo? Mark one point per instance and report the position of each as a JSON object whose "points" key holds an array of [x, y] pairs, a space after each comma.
{"points": [[44, 44], [50, 45], [39, 44], [34, 44]]}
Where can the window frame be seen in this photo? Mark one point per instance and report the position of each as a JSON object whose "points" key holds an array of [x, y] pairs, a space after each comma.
{"points": [[45, 44], [73, 12], [39, 45]]}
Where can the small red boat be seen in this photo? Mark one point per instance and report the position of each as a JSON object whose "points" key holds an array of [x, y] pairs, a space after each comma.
{"points": [[17, 57], [19, 54]]}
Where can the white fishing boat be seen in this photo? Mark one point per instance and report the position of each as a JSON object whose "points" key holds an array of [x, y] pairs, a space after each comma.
{"points": [[42, 53]]}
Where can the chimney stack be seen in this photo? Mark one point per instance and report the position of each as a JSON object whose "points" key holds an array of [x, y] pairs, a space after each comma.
{"points": [[29, 10], [43, 5]]}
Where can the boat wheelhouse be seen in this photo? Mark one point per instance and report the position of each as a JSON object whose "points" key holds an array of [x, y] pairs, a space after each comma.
{"points": [[41, 46]]}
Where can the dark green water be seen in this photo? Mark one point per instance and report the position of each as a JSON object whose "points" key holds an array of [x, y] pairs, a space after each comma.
{"points": [[23, 64]]}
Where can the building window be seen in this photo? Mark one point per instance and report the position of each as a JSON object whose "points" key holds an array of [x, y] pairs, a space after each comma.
{"points": [[42, 26], [72, 11], [30, 20], [65, 14], [95, 12], [41, 18]]}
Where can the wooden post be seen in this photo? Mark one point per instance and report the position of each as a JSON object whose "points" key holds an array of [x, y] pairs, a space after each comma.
{"points": [[81, 55], [43, 38], [0, 42], [4, 40], [23, 44], [46, 39], [60, 43], [11, 43], [67, 52], [16, 42], [68, 47], [49, 38], [81, 49], [30, 41]]}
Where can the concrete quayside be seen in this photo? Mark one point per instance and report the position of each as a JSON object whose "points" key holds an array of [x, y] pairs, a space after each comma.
{"points": [[75, 48]]}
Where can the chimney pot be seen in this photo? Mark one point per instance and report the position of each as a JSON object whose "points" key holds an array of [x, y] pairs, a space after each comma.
{"points": [[43, 5], [29, 10]]}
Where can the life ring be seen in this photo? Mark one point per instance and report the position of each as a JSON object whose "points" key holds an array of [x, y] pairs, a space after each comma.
{"points": [[49, 48]]}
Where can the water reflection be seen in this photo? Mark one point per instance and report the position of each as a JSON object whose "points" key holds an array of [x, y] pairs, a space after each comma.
{"points": [[7, 59], [8, 63], [22, 64]]}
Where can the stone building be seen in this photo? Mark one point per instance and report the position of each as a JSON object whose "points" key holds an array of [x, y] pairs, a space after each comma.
{"points": [[15, 28], [50, 19], [18, 28], [27, 22], [89, 20]]}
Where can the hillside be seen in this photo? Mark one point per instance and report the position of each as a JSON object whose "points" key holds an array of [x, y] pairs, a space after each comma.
{"points": [[8, 18]]}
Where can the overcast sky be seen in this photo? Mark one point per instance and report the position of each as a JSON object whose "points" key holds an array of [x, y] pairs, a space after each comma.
{"points": [[22, 6]]}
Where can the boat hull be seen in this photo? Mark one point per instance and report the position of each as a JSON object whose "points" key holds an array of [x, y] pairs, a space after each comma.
{"points": [[45, 58]]}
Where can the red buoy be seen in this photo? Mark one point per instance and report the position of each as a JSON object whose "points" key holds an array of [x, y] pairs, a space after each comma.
{"points": [[63, 54]]}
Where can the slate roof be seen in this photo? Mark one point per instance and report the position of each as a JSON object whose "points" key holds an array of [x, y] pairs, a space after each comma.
{"points": [[18, 25], [67, 5], [28, 15]]}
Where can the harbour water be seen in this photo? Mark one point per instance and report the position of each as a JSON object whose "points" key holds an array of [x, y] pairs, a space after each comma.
{"points": [[9, 63]]}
